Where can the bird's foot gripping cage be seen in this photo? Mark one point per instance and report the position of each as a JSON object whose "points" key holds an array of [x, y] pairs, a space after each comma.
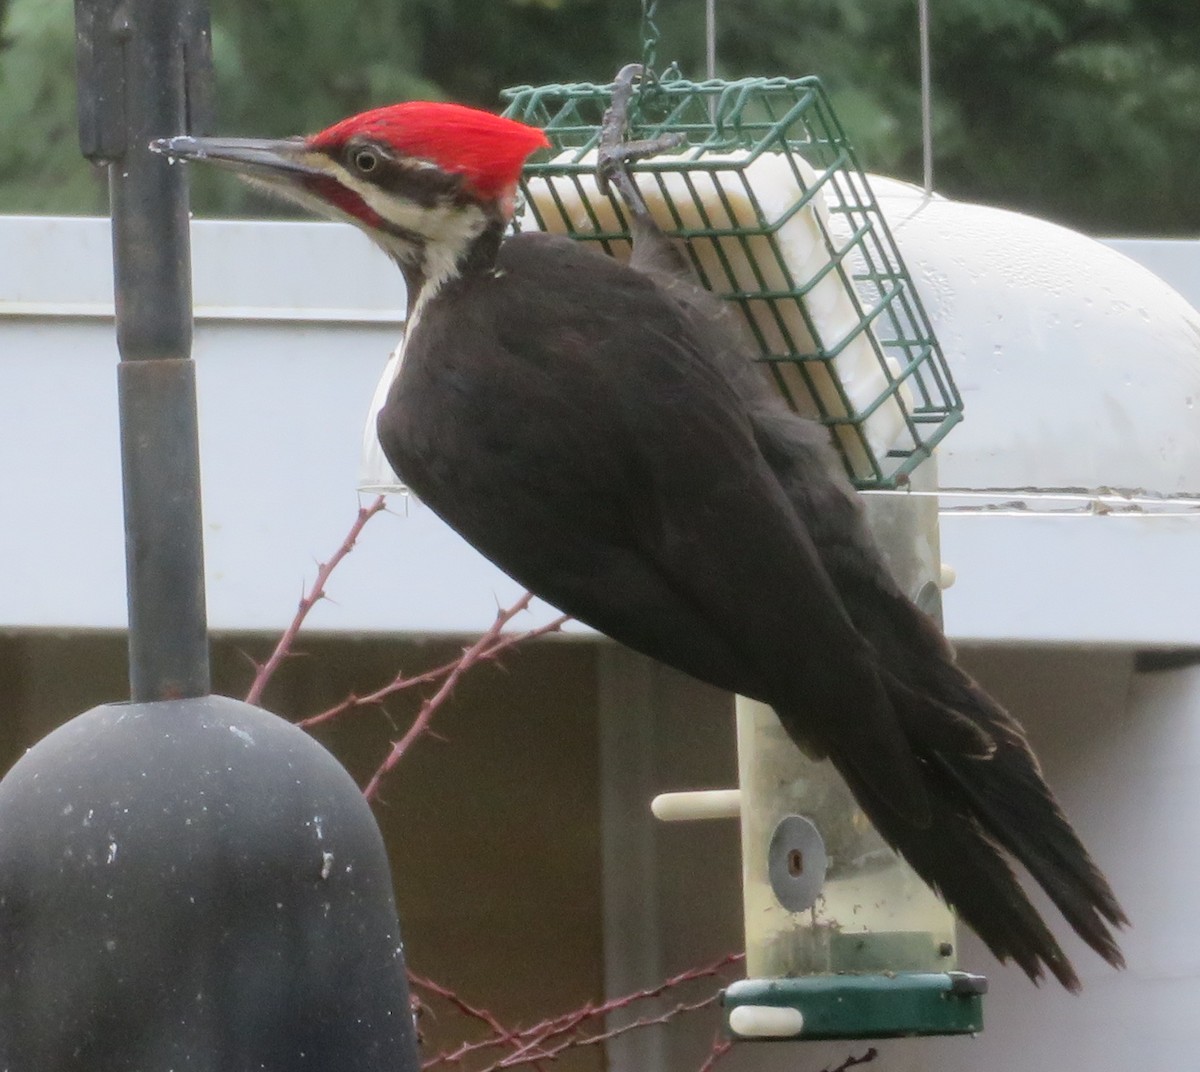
{"points": [[778, 217]]}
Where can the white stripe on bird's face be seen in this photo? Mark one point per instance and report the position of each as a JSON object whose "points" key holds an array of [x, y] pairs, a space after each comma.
{"points": [[428, 229], [444, 230]]}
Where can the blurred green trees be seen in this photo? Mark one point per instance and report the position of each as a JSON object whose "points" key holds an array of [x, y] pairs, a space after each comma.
{"points": [[1084, 111]]}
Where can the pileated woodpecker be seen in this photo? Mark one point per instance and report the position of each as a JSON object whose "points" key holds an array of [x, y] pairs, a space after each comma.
{"points": [[598, 431]]}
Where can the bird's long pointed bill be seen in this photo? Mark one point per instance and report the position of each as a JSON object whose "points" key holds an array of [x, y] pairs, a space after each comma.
{"points": [[280, 160]]}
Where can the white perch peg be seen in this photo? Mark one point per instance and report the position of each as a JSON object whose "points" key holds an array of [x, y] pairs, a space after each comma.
{"points": [[698, 804], [765, 1022]]}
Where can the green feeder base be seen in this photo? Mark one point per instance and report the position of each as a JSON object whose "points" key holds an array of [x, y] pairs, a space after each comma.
{"points": [[855, 1006]]}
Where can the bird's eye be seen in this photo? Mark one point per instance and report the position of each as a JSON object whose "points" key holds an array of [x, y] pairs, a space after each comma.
{"points": [[366, 160]]}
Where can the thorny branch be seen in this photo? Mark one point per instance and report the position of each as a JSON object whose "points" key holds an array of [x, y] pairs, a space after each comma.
{"points": [[487, 647], [311, 598], [493, 643], [496, 644], [473, 1012], [552, 1037], [500, 1033], [720, 1047], [670, 1014]]}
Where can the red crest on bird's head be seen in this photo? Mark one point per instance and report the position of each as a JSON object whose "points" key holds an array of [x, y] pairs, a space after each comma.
{"points": [[487, 150]]}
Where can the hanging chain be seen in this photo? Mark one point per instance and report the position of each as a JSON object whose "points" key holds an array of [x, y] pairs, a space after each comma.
{"points": [[648, 87], [650, 37], [650, 90]]}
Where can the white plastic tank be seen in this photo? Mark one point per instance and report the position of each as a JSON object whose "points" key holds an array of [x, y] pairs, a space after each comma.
{"points": [[1079, 371], [1078, 367]]}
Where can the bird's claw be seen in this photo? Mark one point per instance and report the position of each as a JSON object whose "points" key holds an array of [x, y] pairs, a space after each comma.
{"points": [[615, 153], [616, 157]]}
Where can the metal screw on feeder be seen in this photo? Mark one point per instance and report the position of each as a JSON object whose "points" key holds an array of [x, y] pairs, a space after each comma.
{"points": [[185, 880], [842, 939]]}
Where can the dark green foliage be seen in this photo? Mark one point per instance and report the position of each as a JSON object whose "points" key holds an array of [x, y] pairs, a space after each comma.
{"points": [[41, 169], [1085, 111]]}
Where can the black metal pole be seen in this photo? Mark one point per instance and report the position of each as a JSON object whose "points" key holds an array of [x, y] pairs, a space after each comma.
{"points": [[186, 881], [140, 64]]}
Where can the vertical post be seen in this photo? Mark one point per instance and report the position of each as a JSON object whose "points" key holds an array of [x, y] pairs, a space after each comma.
{"points": [[143, 65], [926, 96]]}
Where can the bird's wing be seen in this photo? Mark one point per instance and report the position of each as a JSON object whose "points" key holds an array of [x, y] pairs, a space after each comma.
{"points": [[601, 456]]}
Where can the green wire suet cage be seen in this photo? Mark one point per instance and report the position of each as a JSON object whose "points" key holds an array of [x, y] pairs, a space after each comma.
{"points": [[778, 217]]}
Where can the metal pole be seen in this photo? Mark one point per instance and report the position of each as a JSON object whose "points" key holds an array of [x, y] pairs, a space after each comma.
{"points": [[710, 39], [926, 97], [140, 65]]}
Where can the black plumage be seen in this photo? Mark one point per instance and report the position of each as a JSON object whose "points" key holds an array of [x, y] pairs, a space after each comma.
{"points": [[625, 461]]}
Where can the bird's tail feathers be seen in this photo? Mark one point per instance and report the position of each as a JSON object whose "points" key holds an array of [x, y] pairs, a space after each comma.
{"points": [[1014, 804], [969, 872], [988, 798], [937, 725]]}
